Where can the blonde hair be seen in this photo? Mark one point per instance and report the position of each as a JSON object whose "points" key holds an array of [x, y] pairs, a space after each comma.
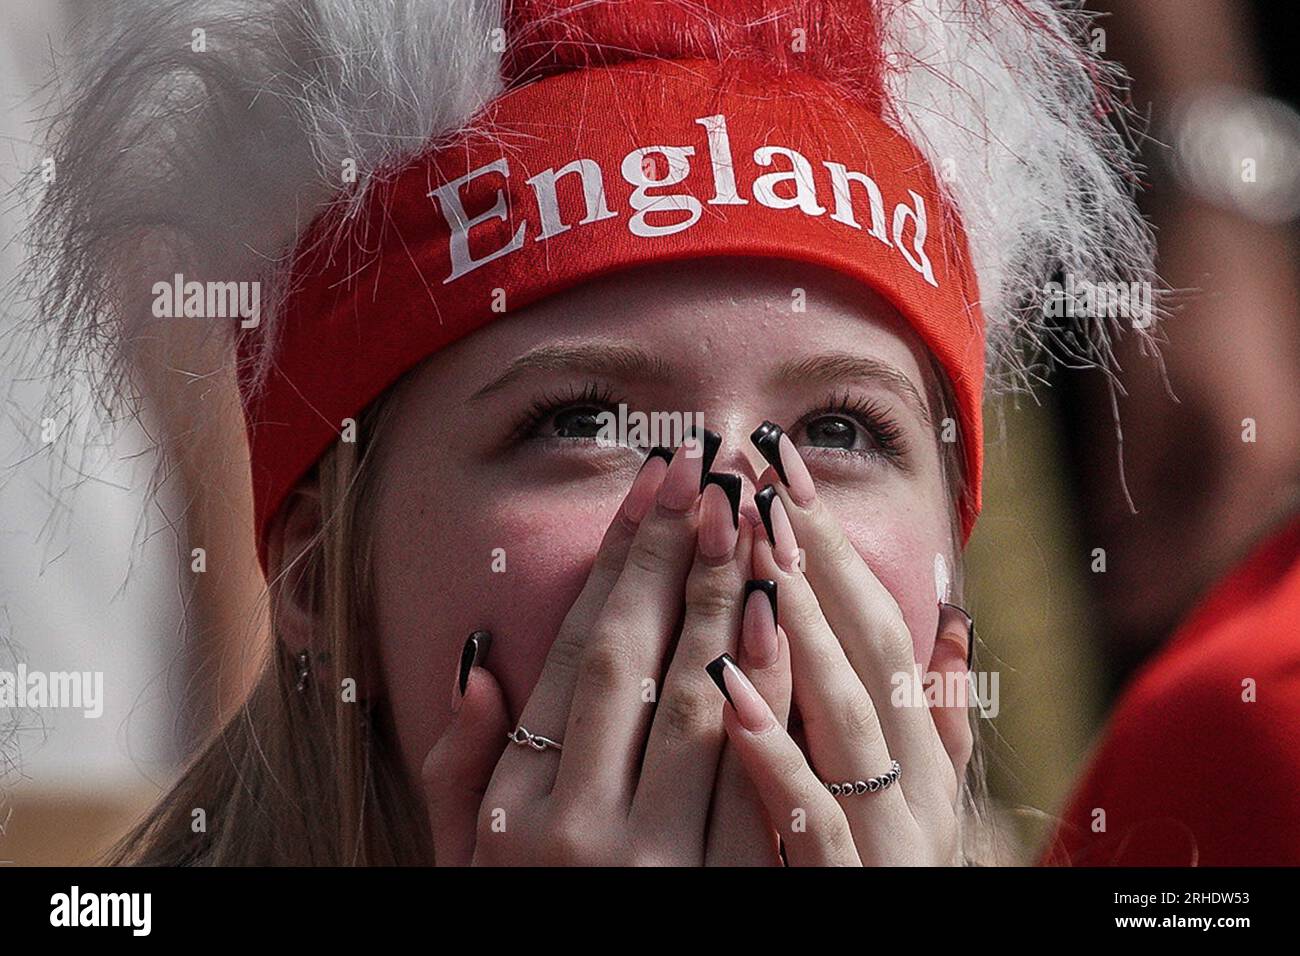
{"points": [[308, 778], [301, 776]]}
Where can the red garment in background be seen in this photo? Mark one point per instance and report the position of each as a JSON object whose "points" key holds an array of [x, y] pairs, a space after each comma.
{"points": [[1188, 772]]}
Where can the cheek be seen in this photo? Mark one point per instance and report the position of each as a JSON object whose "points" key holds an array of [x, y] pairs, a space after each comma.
{"points": [[511, 565], [550, 554], [900, 551]]}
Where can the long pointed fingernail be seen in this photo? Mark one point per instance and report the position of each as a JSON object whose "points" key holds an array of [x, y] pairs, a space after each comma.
{"points": [[472, 655], [758, 625], [730, 485], [954, 619], [798, 478], [716, 669], [684, 481], [719, 515], [778, 450], [754, 714], [780, 533], [768, 587], [704, 444], [646, 484], [767, 439]]}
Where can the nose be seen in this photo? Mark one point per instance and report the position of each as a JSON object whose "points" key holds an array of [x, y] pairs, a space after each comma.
{"points": [[738, 456]]}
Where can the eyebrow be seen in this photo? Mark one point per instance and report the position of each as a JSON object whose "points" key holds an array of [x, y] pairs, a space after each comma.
{"points": [[831, 368], [626, 363], [629, 363]]}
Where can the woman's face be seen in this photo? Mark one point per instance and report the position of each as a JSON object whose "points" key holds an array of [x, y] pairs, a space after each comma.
{"points": [[494, 496]]}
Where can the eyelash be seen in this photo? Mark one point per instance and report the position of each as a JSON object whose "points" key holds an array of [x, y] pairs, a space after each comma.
{"points": [[872, 417], [544, 407], [885, 432]]}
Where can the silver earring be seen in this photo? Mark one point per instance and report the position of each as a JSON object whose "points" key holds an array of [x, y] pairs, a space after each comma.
{"points": [[303, 660]]}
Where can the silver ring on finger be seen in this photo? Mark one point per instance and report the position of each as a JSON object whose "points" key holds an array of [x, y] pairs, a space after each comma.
{"points": [[856, 788], [525, 738]]}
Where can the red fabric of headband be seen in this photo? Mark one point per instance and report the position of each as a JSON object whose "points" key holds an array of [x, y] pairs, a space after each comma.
{"points": [[586, 173]]}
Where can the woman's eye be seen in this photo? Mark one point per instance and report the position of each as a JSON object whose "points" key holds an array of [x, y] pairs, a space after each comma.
{"points": [[573, 414], [576, 422], [832, 431]]}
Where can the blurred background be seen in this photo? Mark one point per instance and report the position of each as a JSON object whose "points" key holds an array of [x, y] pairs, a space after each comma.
{"points": [[1108, 509]]}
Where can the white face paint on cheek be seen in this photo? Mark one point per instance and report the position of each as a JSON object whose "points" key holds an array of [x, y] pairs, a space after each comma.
{"points": [[942, 580]]}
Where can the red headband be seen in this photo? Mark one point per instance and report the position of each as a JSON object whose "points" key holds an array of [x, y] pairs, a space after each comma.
{"points": [[588, 172]]}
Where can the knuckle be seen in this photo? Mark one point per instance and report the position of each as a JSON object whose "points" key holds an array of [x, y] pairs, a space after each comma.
{"points": [[609, 560], [895, 641], [824, 656], [688, 714], [789, 764], [710, 596], [571, 838], [857, 718], [651, 554], [803, 615], [838, 547], [606, 665], [565, 654]]}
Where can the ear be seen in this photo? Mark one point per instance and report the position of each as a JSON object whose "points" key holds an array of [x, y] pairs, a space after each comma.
{"points": [[950, 666], [295, 595]]}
